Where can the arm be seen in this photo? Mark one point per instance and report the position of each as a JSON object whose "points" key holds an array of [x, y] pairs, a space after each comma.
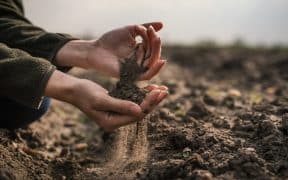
{"points": [[104, 54], [18, 32], [26, 79], [23, 78]]}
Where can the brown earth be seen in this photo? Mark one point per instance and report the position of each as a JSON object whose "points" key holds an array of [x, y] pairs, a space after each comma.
{"points": [[226, 118]]}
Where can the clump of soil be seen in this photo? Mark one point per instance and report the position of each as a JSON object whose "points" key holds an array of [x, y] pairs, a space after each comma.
{"points": [[129, 72]]}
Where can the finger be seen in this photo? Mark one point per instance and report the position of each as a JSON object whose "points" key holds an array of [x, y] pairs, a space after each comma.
{"points": [[162, 95], [151, 87], [153, 70], [141, 31], [148, 51], [155, 49], [152, 38], [150, 101], [156, 25], [164, 88], [121, 106]]}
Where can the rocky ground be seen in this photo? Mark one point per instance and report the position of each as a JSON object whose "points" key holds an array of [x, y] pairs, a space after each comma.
{"points": [[226, 118]]}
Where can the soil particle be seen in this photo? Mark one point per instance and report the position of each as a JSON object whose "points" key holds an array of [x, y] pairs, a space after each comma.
{"points": [[196, 161], [221, 123], [265, 128], [179, 140], [67, 168], [285, 123], [201, 175], [199, 110]]}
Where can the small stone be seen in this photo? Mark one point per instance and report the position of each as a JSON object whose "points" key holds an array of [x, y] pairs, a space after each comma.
{"points": [[186, 152], [80, 146], [206, 155], [201, 174], [271, 90], [249, 150], [266, 128], [196, 160], [234, 93], [199, 110]]}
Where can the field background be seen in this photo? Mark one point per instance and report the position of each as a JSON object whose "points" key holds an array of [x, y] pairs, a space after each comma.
{"points": [[226, 116]]}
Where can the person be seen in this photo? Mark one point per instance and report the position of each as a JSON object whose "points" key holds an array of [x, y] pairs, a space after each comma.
{"points": [[33, 63]]}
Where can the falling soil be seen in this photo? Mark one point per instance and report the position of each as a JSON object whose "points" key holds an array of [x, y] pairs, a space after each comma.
{"points": [[226, 118], [130, 141]]}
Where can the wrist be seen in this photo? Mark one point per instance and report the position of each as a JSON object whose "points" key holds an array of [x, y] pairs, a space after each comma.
{"points": [[62, 87], [74, 53]]}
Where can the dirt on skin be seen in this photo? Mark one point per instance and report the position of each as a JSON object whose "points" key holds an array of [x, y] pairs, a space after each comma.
{"points": [[226, 118]]}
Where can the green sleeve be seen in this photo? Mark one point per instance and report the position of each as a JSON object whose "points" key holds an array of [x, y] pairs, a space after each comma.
{"points": [[23, 78], [18, 32]]}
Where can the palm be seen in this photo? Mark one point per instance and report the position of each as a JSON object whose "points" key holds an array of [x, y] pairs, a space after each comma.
{"points": [[119, 43]]}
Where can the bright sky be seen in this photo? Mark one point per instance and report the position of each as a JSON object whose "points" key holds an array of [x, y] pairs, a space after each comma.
{"points": [[186, 21]]}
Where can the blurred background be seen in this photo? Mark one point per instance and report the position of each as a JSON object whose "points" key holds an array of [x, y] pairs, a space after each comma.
{"points": [[255, 22]]}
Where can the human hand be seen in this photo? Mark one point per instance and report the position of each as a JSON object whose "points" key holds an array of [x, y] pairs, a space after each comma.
{"points": [[118, 44], [98, 105], [95, 102]]}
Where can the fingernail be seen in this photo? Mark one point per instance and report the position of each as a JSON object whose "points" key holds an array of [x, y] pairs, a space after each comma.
{"points": [[161, 96], [158, 91], [136, 108]]}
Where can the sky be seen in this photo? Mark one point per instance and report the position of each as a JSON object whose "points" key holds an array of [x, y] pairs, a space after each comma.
{"points": [[186, 21]]}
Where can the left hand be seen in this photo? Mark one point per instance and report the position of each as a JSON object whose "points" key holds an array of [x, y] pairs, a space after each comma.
{"points": [[118, 44]]}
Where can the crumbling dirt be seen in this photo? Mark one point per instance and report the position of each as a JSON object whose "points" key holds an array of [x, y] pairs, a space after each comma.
{"points": [[130, 71], [226, 118]]}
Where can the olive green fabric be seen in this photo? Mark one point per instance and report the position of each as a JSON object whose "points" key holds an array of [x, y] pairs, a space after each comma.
{"points": [[23, 76]]}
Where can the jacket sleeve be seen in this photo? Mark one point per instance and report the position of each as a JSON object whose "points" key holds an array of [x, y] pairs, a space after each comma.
{"points": [[18, 32], [23, 78]]}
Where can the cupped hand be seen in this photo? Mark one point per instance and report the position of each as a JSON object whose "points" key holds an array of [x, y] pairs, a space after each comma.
{"points": [[95, 102], [118, 44]]}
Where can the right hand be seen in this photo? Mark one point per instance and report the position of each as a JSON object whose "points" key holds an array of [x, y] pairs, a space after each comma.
{"points": [[95, 102]]}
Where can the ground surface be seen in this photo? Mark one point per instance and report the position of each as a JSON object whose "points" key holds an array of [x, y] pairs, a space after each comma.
{"points": [[226, 118]]}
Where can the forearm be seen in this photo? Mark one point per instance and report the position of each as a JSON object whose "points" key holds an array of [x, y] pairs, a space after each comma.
{"points": [[74, 53], [62, 87]]}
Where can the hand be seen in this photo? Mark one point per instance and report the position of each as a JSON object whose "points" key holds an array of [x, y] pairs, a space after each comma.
{"points": [[95, 102], [98, 105], [118, 44], [104, 54]]}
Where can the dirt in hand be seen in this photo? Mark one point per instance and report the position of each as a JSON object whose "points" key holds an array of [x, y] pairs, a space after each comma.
{"points": [[126, 88]]}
